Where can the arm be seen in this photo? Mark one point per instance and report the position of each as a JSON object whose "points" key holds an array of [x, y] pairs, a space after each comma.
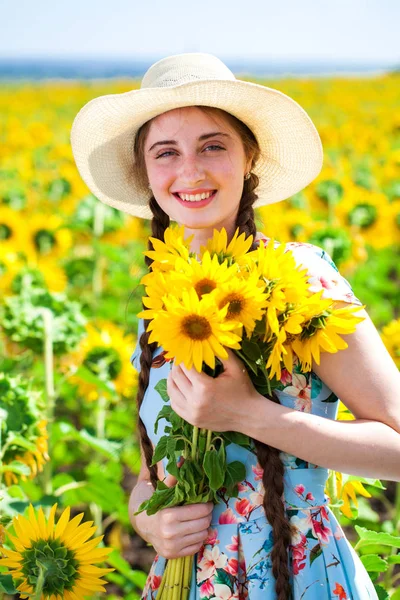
{"points": [[367, 381]]}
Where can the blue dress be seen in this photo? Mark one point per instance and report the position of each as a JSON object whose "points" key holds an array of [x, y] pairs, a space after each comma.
{"points": [[234, 561]]}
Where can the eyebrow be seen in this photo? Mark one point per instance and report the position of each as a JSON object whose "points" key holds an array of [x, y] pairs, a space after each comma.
{"points": [[206, 136]]}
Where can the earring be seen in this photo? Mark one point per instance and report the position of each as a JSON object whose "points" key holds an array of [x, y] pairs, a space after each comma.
{"points": [[248, 175], [149, 186]]}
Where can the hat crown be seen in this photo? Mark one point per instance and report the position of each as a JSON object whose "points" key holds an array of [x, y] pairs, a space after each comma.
{"points": [[184, 68]]}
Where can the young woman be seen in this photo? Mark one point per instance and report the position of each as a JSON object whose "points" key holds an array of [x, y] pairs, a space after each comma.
{"points": [[198, 147]]}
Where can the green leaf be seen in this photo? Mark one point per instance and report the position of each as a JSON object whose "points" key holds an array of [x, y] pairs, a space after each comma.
{"points": [[213, 469], [161, 388], [118, 562], [394, 560], [160, 451], [235, 473], [235, 437], [383, 594], [19, 440], [373, 562], [252, 366], [164, 413], [16, 467], [7, 585], [375, 537], [109, 449], [251, 350], [160, 499], [86, 375], [373, 482]]}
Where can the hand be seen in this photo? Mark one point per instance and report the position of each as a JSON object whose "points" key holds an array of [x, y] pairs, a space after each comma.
{"points": [[180, 530], [218, 404]]}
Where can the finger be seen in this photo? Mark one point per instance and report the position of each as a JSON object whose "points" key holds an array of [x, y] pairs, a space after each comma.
{"points": [[191, 550], [194, 538], [170, 480], [177, 399], [195, 526], [193, 375], [195, 511], [182, 380], [233, 362]]}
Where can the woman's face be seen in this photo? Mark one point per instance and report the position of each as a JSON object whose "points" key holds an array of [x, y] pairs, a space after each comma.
{"points": [[190, 154]]}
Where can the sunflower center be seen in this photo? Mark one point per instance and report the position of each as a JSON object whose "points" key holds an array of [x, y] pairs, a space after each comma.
{"points": [[103, 360], [313, 325], [5, 231], [58, 563], [44, 240], [363, 215], [236, 304], [204, 286], [196, 327]]}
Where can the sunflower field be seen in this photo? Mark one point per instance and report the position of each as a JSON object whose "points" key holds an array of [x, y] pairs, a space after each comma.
{"points": [[70, 292]]}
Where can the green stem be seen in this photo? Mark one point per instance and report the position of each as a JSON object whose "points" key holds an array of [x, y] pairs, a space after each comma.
{"points": [[187, 575], [332, 491], [163, 580], [100, 434], [195, 438], [177, 583], [50, 396], [396, 526], [40, 582]]}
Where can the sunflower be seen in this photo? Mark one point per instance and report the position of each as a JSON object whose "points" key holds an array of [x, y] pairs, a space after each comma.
{"points": [[346, 491], [245, 299], [47, 236], [10, 265], [58, 558], [232, 252], [391, 338], [34, 459], [13, 229], [158, 284], [106, 352], [193, 330], [207, 276], [166, 252], [321, 331], [370, 214], [284, 280]]}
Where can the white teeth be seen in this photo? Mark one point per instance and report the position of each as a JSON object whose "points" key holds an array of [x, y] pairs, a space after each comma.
{"points": [[195, 197]]}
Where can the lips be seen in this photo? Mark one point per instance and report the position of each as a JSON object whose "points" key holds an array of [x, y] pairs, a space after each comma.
{"points": [[195, 203]]}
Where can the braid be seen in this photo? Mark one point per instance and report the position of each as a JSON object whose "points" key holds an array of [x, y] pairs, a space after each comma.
{"points": [[269, 457], [159, 223]]}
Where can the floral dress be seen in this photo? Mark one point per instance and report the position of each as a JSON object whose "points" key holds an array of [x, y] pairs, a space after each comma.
{"points": [[235, 560]]}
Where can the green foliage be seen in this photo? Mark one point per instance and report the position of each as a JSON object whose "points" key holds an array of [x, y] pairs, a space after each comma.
{"points": [[22, 319]]}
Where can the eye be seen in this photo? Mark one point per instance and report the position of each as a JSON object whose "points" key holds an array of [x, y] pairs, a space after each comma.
{"points": [[164, 153], [214, 146]]}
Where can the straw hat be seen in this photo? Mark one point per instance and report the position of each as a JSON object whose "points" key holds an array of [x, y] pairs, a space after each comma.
{"points": [[104, 130]]}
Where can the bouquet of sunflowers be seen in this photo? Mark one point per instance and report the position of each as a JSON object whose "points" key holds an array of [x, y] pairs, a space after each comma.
{"points": [[257, 303]]}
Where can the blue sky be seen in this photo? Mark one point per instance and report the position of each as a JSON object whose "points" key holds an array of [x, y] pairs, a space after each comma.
{"points": [[338, 30]]}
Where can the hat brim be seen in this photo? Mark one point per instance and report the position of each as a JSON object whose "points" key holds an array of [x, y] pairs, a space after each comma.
{"points": [[104, 130]]}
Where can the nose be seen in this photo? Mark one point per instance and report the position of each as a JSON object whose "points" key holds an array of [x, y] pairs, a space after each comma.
{"points": [[191, 171]]}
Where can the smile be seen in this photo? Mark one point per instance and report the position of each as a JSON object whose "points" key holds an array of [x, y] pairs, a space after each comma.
{"points": [[196, 199]]}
